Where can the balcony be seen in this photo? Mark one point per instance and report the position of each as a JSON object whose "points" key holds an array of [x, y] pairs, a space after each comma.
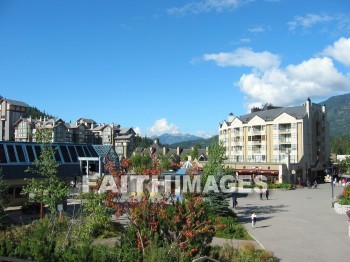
{"points": [[256, 142], [257, 131], [284, 130], [257, 151], [285, 151], [284, 141]]}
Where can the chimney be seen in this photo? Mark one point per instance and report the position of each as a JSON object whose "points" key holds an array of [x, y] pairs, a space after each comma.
{"points": [[230, 117], [308, 107], [164, 150], [178, 151]]}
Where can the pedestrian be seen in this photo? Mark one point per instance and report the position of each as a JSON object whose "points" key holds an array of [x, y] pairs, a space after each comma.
{"points": [[234, 201], [261, 194], [267, 194], [253, 220]]}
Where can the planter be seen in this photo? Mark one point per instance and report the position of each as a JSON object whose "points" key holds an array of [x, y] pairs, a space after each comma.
{"points": [[341, 209]]}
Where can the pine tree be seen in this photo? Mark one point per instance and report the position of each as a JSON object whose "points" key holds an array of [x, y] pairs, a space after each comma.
{"points": [[217, 200]]}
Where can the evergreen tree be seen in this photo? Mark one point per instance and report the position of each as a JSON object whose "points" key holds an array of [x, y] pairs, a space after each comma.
{"points": [[214, 168], [50, 190]]}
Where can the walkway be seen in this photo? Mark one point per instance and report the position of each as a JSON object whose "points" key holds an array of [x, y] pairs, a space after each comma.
{"points": [[298, 225]]}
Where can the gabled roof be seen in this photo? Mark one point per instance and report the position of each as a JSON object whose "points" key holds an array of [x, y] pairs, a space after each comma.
{"points": [[123, 137], [24, 119], [70, 125], [87, 120], [14, 102], [298, 112], [125, 130], [101, 127]]}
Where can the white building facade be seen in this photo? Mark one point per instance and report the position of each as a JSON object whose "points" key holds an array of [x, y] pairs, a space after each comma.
{"points": [[291, 141]]}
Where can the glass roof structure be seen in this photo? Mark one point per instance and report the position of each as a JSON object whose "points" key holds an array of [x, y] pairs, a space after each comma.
{"points": [[25, 153], [106, 152]]}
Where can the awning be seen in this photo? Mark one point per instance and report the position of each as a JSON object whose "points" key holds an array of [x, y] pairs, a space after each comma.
{"points": [[257, 171]]}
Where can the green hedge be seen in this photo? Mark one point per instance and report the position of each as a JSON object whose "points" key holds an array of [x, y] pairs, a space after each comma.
{"points": [[233, 229], [279, 186]]}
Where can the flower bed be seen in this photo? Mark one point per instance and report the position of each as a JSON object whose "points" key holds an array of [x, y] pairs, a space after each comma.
{"points": [[343, 204]]}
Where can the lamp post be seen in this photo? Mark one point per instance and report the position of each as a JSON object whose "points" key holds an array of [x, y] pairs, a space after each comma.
{"points": [[307, 175], [332, 181]]}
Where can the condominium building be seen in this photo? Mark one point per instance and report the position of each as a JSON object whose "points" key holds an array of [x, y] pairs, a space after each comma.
{"points": [[10, 112], [124, 142], [289, 144]]}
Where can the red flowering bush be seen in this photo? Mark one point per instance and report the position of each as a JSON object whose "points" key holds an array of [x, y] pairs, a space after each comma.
{"points": [[344, 198], [183, 225]]}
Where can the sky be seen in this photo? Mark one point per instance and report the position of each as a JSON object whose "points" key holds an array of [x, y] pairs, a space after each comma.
{"points": [[172, 66]]}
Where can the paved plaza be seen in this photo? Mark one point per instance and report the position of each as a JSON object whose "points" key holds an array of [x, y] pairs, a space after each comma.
{"points": [[298, 225]]}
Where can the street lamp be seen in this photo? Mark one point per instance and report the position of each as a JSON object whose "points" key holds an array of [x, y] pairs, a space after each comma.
{"points": [[332, 181], [307, 175]]}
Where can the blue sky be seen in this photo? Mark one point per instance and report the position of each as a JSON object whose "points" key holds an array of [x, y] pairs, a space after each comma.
{"points": [[171, 66]]}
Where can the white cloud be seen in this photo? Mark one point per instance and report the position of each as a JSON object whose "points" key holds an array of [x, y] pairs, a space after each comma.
{"points": [[340, 51], [203, 134], [245, 57], [316, 77], [245, 40], [138, 131], [205, 6], [256, 29], [308, 21], [161, 126]]}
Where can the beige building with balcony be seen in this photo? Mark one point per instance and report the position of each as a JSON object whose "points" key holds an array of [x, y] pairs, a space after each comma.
{"points": [[285, 144], [10, 112]]}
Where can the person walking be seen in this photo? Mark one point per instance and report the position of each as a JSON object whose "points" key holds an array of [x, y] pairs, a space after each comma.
{"points": [[261, 194], [267, 194], [253, 220], [234, 201]]}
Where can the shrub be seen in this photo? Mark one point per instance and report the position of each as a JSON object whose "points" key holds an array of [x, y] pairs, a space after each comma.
{"points": [[245, 253], [232, 228], [279, 186], [344, 198]]}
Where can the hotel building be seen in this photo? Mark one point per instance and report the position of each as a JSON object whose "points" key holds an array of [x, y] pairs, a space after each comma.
{"points": [[286, 145]]}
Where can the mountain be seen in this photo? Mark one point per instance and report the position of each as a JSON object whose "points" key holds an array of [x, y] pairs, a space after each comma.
{"points": [[338, 114], [170, 139], [203, 143]]}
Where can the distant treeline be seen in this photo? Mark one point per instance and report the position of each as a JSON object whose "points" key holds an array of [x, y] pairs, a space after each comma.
{"points": [[201, 143], [36, 113], [143, 142], [340, 145]]}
